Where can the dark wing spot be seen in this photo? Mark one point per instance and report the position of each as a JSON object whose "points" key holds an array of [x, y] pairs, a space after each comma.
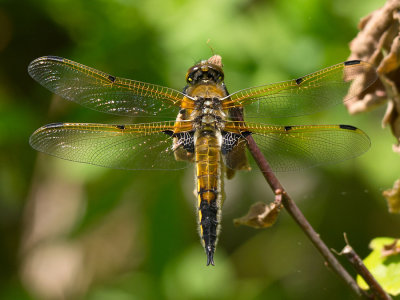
{"points": [[185, 139], [229, 141], [352, 62], [111, 78], [287, 128], [120, 126], [54, 125], [169, 132], [299, 80], [349, 127]]}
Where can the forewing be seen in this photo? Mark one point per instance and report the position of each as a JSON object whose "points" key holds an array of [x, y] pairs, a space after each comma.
{"points": [[134, 147], [290, 148], [307, 94], [103, 92]]}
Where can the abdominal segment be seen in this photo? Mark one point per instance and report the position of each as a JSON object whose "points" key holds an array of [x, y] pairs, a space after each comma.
{"points": [[209, 194]]}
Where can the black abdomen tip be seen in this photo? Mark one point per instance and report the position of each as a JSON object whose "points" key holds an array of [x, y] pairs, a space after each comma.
{"points": [[210, 256]]}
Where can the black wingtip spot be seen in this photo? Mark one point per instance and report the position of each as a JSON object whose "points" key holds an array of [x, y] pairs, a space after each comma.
{"points": [[122, 127], [287, 128], [111, 78], [349, 127], [352, 62], [54, 125], [299, 80]]}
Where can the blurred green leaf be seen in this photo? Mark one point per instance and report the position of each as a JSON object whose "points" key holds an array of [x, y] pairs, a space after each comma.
{"points": [[385, 269], [197, 281]]}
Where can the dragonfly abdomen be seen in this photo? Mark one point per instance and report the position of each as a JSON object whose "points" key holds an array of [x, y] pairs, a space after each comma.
{"points": [[209, 192]]}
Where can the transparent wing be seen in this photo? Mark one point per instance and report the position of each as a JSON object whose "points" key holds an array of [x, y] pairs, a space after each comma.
{"points": [[290, 148], [140, 146], [103, 92], [307, 94]]}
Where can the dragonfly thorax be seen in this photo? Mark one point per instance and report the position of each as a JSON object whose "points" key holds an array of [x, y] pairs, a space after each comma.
{"points": [[203, 103], [208, 112]]}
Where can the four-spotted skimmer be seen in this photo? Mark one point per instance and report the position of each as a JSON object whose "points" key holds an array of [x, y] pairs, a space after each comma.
{"points": [[205, 126]]}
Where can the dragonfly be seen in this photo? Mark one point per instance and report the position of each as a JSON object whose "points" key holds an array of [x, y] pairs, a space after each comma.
{"points": [[203, 125]]}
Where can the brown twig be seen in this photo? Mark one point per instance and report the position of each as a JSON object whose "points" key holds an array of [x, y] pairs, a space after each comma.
{"points": [[297, 215], [361, 269]]}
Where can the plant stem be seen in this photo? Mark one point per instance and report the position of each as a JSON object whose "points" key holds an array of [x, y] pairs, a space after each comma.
{"points": [[361, 269], [297, 215]]}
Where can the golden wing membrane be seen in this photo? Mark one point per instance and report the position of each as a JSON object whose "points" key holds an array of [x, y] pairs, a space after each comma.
{"points": [[291, 148], [305, 95], [103, 92], [134, 147]]}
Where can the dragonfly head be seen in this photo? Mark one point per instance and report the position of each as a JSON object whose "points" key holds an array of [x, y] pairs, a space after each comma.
{"points": [[205, 73]]}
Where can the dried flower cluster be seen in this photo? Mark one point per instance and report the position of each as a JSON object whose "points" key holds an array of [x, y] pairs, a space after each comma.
{"points": [[378, 43]]}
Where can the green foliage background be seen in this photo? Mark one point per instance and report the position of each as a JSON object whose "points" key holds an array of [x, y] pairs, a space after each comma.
{"points": [[157, 41]]}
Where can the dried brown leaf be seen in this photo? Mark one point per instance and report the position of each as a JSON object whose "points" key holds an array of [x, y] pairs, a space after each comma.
{"points": [[260, 215], [378, 42], [393, 197], [391, 249], [391, 61]]}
